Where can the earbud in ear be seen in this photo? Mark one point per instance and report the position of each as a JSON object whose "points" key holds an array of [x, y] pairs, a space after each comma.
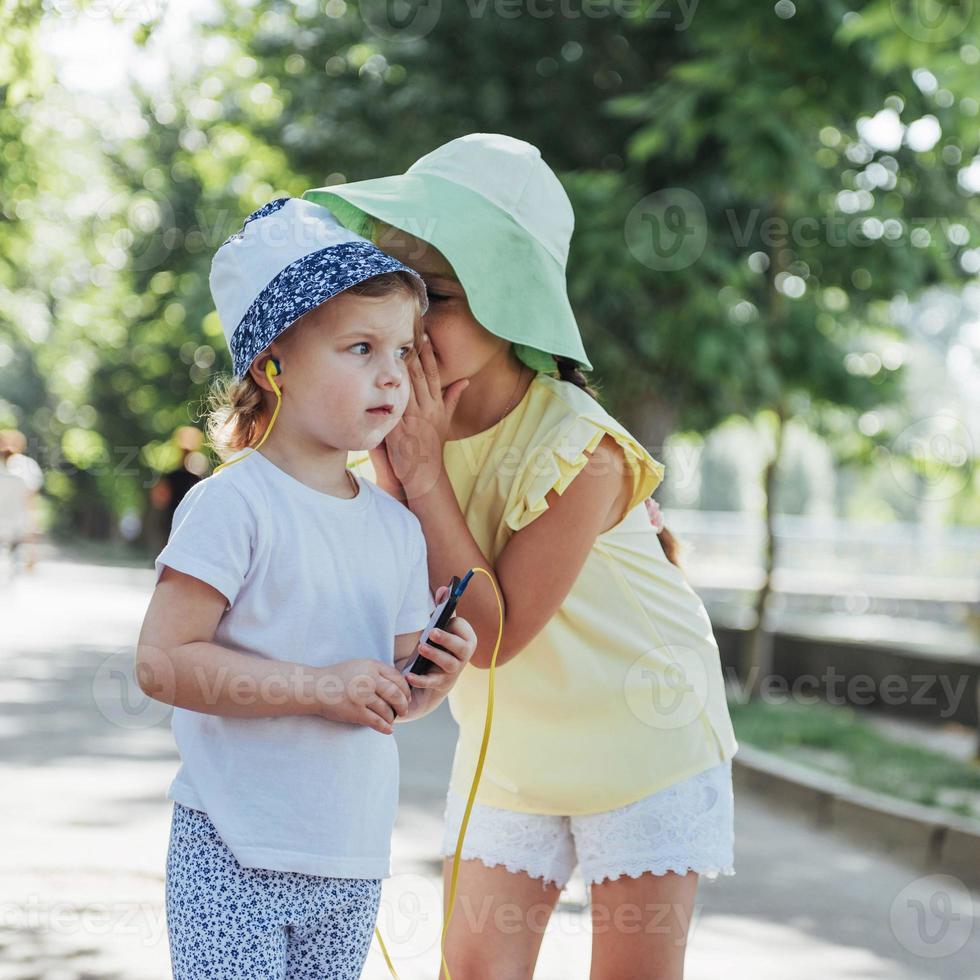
{"points": [[272, 367]]}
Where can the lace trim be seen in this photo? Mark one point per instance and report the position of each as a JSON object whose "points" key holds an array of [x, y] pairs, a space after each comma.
{"points": [[512, 866], [681, 867]]}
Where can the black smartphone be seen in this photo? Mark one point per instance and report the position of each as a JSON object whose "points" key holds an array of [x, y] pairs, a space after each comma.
{"points": [[437, 621]]}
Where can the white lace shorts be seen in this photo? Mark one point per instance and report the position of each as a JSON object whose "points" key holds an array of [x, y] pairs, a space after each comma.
{"points": [[687, 826]]}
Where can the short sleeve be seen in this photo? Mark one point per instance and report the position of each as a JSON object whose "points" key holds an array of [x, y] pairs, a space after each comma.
{"points": [[28, 470], [212, 537], [418, 603], [558, 458]]}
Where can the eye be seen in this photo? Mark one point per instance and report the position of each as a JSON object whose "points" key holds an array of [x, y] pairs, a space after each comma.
{"points": [[437, 297], [408, 348]]}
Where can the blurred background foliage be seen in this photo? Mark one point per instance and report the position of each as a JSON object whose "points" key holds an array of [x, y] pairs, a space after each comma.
{"points": [[823, 333]]}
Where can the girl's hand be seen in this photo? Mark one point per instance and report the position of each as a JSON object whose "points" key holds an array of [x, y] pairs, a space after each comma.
{"points": [[384, 474], [459, 639], [362, 692], [414, 446]]}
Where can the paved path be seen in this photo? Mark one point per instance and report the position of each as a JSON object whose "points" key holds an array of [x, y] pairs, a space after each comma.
{"points": [[84, 823]]}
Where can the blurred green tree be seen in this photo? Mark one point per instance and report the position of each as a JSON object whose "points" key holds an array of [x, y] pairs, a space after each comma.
{"points": [[749, 188], [23, 308]]}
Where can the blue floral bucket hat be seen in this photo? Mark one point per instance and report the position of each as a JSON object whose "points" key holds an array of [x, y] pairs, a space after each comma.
{"points": [[289, 257]]}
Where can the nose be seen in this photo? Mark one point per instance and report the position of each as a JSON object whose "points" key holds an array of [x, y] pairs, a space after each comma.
{"points": [[389, 376]]}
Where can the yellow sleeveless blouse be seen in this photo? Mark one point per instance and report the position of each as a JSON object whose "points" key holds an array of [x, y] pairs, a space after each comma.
{"points": [[621, 693]]}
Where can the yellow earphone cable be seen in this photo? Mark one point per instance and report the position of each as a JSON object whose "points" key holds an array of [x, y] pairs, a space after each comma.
{"points": [[472, 795], [271, 369]]}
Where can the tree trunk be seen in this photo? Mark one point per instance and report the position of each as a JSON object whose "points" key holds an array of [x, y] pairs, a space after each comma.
{"points": [[757, 646]]}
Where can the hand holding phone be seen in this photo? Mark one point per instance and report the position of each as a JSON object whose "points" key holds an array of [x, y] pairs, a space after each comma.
{"points": [[438, 620]]}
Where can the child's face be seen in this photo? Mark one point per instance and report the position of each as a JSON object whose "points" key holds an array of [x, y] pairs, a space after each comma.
{"points": [[346, 356], [462, 346]]}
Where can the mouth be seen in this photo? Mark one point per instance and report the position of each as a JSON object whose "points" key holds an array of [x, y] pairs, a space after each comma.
{"points": [[381, 410]]}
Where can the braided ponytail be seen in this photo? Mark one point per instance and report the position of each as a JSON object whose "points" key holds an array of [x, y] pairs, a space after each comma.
{"points": [[568, 370]]}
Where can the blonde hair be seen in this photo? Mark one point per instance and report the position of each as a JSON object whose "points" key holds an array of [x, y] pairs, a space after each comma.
{"points": [[239, 409]]}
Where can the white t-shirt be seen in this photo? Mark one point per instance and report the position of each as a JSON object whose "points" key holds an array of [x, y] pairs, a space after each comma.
{"points": [[309, 578]]}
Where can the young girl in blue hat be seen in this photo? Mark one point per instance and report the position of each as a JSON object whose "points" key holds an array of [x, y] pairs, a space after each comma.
{"points": [[290, 596], [611, 743]]}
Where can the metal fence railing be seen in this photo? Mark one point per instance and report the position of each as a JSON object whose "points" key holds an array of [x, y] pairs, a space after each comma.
{"points": [[840, 568]]}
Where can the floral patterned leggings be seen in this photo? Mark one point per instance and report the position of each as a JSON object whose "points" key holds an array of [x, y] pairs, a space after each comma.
{"points": [[226, 922]]}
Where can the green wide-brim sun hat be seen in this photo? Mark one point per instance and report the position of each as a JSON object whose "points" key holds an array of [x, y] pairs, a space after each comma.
{"points": [[498, 214]]}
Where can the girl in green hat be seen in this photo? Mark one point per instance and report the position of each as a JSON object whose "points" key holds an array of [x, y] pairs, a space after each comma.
{"points": [[611, 744]]}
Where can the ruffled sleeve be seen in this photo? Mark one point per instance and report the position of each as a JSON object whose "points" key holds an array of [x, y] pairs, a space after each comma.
{"points": [[562, 454]]}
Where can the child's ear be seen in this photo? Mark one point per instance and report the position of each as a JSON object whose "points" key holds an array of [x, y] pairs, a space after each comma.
{"points": [[257, 369]]}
